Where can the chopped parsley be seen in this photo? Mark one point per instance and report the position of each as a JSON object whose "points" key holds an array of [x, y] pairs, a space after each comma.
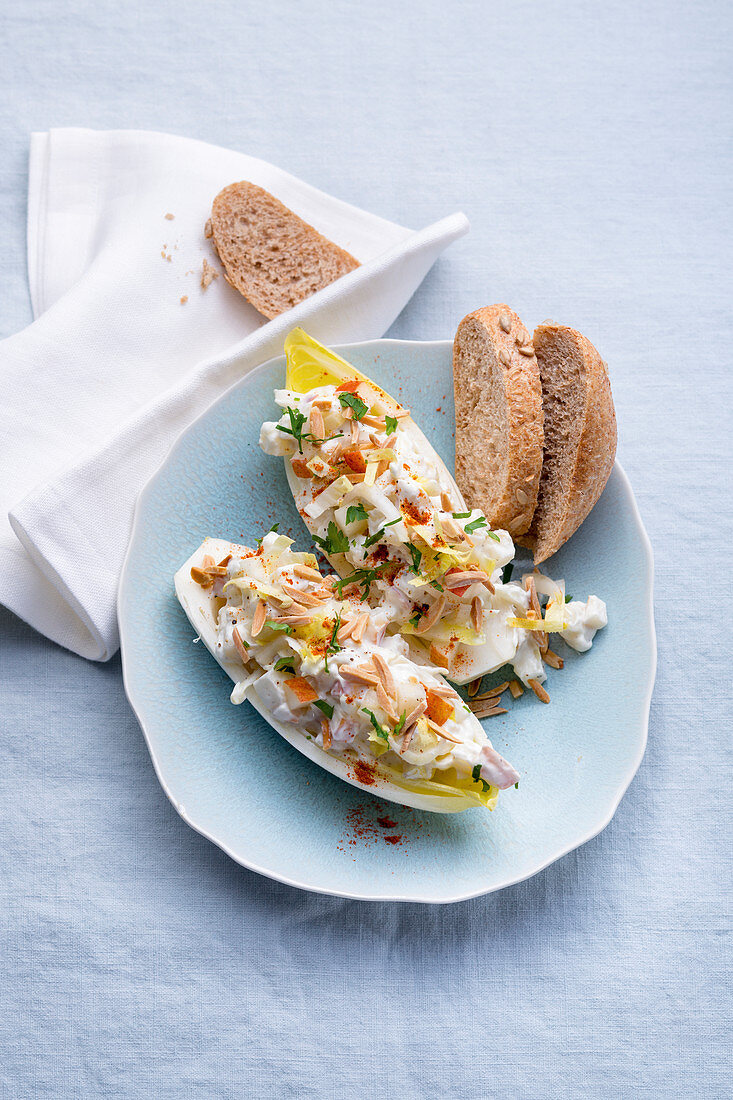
{"points": [[568, 599], [391, 424], [326, 708], [416, 555], [333, 646], [399, 727], [275, 527], [364, 578], [378, 534], [492, 535], [461, 515], [279, 627], [378, 729], [335, 541], [355, 403], [434, 584], [474, 525], [355, 512], [415, 617], [297, 420], [285, 664], [506, 573], [516, 786], [476, 773]]}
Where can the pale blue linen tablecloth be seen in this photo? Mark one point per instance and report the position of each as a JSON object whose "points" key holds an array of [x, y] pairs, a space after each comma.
{"points": [[589, 145]]}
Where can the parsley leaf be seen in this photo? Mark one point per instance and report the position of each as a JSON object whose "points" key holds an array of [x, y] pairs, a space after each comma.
{"points": [[461, 515], [476, 773], [275, 527], [354, 402], [297, 420], [355, 512], [391, 423], [333, 646], [434, 584], [506, 573], [568, 599], [335, 541], [493, 536], [416, 555], [363, 577], [326, 708], [285, 664], [516, 786], [480, 521], [378, 534], [378, 729], [398, 728], [279, 627], [415, 617]]}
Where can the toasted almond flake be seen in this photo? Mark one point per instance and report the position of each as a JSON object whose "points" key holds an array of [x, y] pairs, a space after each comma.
{"points": [[516, 689], [536, 611], [385, 702], [360, 626], [321, 403], [465, 577], [226, 560], [498, 690], [477, 614], [361, 673], [452, 529], [431, 616], [438, 657], [441, 732], [384, 673], [474, 686], [374, 421], [407, 736], [345, 630], [550, 658], [293, 620], [417, 712], [207, 561], [306, 573], [315, 422], [539, 691], [444, 690], [239, 645], [326, 733], [488, 711], [305, 599], [258, 620], [445, 502], [201, 577]]}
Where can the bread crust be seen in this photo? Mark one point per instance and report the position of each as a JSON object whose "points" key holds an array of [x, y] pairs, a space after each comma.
{"points": [[591, 465], [269, 254], [499, 417]]}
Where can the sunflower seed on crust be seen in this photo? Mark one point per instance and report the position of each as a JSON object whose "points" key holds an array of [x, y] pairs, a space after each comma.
{"points": [[505, 322], [505, 357], [525, 349]]}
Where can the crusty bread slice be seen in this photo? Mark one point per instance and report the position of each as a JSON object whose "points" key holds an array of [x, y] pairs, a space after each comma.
{"points": [[270, 255], [580, 435], [498, 402]]}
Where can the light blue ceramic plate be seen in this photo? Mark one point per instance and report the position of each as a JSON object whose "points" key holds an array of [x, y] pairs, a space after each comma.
{"points": [[233, 779]]}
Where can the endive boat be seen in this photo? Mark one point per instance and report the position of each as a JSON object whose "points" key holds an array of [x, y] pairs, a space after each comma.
{"points": [[323, 670], [387, 514]]}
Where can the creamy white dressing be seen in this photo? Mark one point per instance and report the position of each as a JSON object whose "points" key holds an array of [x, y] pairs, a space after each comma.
{"points": [[400, 543], [358, 717]]}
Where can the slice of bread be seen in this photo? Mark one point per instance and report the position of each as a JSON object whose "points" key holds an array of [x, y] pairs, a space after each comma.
{"points": [[270, 255], [580, 436], [499, 418]]}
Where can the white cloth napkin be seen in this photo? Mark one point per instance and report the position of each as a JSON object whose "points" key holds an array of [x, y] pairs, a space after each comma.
{"points": [[127, 347]]}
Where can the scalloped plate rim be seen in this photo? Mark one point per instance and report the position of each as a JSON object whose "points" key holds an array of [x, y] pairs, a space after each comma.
{"points": [[250, 865]]}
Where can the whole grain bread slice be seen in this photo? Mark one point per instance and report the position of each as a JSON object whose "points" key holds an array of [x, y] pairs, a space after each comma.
{"points": [[270, 255], [499, 417], [580, 435]]}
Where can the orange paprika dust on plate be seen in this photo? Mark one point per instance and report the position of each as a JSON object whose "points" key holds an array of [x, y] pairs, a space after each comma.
{"points": [[365, 825]]}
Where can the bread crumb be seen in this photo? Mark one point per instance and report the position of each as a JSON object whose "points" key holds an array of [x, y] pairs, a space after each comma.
{"points": [[169, 217], [184, 299], [208, 229], [208, 274], [166, 255]]}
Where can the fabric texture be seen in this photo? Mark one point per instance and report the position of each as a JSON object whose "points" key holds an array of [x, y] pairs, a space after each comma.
{"points": [[589, 146], [128, 347]]}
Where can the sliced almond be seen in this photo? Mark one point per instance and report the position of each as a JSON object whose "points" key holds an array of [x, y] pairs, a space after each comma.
{"points": [[473, 687], [477, 614], [489, 711], [306, 573], [305, 599], [431, 616], [315, 422], [344, 631], [445, 502], [498, 690], [384, 673], [201, 577], [258, 620], [360, 673], [465, 577], [326, 733], [550, 658], [539, 691], [385, 702], [516, 689], [360, 626], [239, 645], [443, 733]]}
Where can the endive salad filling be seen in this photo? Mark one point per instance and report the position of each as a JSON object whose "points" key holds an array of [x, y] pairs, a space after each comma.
{"points": [[317, 659], [382, 507]]}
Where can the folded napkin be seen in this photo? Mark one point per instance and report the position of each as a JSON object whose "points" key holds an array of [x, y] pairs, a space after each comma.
{"points": [[128, 348]]}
